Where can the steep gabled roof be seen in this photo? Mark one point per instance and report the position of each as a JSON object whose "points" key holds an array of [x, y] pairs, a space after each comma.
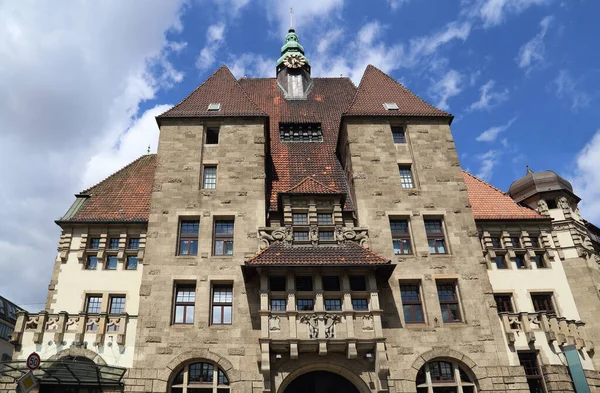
{"points": [[347, 254], [311, 186], [124, 196], [377, 88], [222, 88], [489, 203]]}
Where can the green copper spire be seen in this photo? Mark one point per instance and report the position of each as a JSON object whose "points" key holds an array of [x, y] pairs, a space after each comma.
{"points": [[291, 46]]}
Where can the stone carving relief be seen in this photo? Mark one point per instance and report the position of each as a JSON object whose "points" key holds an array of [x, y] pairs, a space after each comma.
{"points": [[563, 203], [542, 207], [367, 321], [270, 235], [267, 236], [328, 325], [359, 235], [314, 234], [274, 323]]}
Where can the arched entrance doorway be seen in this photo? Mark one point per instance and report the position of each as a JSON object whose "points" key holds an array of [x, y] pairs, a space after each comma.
{"points": [[320, 382]]}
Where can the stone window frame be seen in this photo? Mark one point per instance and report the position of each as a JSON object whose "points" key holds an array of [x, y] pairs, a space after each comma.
{"points": [[461, 378], [437, 236], [223, 237], [399, 134], [538, 374], [128, 264], [113, 243], [182, 285], [277, 301], [533, 258], [109, 257], [337, 305], [400, 236], [420, 302], [505, 261], [551, 302], [453, 283], [508, 299], [94, 243], [184, 375], [521, 256], [221, 304], [209, 183], [87, 264], [111, 299], [190, 237], [207, 131], [407, 178]]}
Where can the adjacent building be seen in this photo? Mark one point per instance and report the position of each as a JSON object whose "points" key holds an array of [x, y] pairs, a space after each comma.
{"points": [[8, 318], [298, 234]]}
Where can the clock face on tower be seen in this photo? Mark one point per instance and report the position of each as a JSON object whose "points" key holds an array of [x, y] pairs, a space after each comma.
{"points": [[294, 61]]}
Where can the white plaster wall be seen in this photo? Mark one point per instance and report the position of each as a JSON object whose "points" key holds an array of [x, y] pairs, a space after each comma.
{"points": [[113, 355], [521, 282], [74, 282]]}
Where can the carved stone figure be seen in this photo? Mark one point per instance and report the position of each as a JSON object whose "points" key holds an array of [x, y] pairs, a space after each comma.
{"points": [[274, 323], [312, 323], [542, 207], [563, 203], [314, 235], [279, 234], [367, 321], [330, 321]]}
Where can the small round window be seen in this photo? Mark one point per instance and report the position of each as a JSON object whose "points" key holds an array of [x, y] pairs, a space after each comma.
{"points": [[201, 377]]}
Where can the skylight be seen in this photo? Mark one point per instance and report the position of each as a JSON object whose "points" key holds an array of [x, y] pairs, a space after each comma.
{"points": [[390, 106], [215, 107]]}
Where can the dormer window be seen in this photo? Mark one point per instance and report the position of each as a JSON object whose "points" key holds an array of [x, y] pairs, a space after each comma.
{"points": [[214, 107], [300, 132]]}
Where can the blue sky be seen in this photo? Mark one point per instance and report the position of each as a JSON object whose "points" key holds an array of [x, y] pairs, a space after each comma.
{"points": [[83, 82]]}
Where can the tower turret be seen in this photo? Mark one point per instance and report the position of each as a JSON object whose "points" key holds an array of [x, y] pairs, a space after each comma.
{"points": [[293, 69]]}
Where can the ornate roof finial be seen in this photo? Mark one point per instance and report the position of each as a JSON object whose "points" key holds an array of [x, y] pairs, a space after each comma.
{"points": [[291, 18], [528, 169], [148, 150]]}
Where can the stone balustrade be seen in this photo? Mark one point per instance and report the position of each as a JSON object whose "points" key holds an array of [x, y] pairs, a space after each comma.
{"points": [[75, 328], [341, 234], [528, 326]]}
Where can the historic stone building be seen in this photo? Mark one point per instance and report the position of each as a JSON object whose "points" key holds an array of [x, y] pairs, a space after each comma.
{"points": [[8, 318], [297, 234]]}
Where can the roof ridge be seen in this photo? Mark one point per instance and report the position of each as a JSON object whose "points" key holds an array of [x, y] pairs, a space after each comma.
{"points": [[357, 89], [369, 250], [484, 182], [87, 190], [307, 178], [237, 82]]}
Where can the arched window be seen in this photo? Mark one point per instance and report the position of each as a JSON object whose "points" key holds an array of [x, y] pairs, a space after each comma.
{"points": [[443, 376], [200, 377]]}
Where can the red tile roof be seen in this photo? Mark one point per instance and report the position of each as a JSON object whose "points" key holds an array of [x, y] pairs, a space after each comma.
{"points": [[221, 87], [347, 254], [294, 162], [123, 197], [311, 186], [376, 88], [489, 203]]}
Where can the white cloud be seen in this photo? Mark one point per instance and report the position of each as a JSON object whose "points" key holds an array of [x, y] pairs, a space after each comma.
{"points": [[68, 82], [489, 98], [567, 88], [446, 88], [306, 12], [493, 12], [487, 163], [251, 65], [492, 133], [427, 45], [215, 37], [533, 51], [586, 179], [330, 37], [369, 32], [395, 4]]}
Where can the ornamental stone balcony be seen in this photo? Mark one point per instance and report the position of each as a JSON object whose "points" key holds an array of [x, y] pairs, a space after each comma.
{"points": [[73, 329], [526, 328], [314, 235]]}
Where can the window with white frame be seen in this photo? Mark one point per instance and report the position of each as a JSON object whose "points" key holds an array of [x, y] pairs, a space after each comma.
{"points": [[200, 377], [444, 376]]}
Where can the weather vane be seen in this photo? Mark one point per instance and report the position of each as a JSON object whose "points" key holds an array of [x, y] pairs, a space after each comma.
{"points": [[291, 17]]}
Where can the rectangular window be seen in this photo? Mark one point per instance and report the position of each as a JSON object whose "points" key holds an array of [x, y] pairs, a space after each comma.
{"points": [[222, 304], [535, 241], [300, 218], [360, 304], [398, 134], [333, 305], [117, 304], [133, 243], [528, 361], [304, 283], [301, 236], [331, 283], [324, 218], [210, 177], [496, 242], [185, 301], [277, 283], [538, 259], [504, 303], [411, 303], [358, 283], [300, 132], [326, 236], [400, 237], [305, 304], [278, 304], [448, 302], [435, 236], [94, 243], [132, 262], [5, 331], [111, 262], [91, 262], [500, 262], [406, 179], [542, 302], [516, 242], [113, 243], [223, 237], [188, 237], [212, 136], [93, 304], [520, 261]]}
